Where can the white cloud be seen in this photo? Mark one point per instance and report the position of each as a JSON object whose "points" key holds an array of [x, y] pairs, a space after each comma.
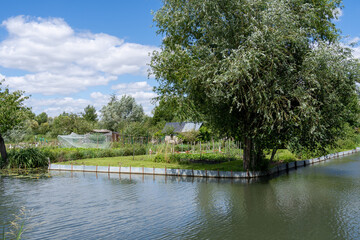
{"points": [[99, 100], [49, 83], [353, 44], [356, 52], [61, 60], [132, 87], [54, 107]]}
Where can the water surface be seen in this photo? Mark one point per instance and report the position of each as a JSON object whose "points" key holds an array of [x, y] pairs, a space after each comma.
{"points": [[317, 202]]}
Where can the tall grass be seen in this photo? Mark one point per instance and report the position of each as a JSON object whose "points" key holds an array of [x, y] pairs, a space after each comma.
{"points": [[26, 158], [17, 225], [67, 154]]}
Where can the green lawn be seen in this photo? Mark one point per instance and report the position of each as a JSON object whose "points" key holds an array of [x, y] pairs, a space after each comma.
{"points": [[282, 156], [146, 161]]}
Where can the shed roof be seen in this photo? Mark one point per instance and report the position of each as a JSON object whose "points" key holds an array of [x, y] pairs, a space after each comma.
{"points": [[180, 127], [102, 131]]}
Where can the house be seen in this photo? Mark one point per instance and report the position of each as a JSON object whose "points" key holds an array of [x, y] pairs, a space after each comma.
{"points": [[171, 129]]}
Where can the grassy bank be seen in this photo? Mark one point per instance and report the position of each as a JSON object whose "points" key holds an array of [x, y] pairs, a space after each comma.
{"points": [[148, 162], [236, 164]]}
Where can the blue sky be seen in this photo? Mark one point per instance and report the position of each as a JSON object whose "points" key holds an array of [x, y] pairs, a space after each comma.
{"points": [[69, 54]]}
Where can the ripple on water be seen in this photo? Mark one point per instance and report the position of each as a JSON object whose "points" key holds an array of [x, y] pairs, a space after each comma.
{"points": [[320, 202]]}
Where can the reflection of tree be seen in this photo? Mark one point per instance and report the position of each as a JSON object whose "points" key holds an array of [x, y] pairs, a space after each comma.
{"points": [[306, 205]]}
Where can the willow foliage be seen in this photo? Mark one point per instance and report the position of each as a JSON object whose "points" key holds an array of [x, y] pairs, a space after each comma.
{"points": [[269, 71]]}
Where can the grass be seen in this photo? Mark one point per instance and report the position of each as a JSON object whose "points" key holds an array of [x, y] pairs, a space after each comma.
{"points": [[147, 161], [282, 156]]}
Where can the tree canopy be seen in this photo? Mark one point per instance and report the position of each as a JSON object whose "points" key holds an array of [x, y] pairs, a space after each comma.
{"points": [[12, 112], [270, 71], [90, 114], [117, 112], [41, 118]]}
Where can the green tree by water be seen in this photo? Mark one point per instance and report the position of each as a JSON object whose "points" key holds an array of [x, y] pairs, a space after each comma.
{"points": [[12, 112], [271, 72]]}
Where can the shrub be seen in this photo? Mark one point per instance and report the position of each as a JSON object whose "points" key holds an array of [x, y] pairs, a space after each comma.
{"points": [[159, 158], [65, 154], [206, 157], [27, 158]]}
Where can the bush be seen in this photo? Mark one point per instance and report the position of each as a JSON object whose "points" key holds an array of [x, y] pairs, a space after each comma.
{"points": [[66, 154], [159, 158], [185, 158], [27, 158]]}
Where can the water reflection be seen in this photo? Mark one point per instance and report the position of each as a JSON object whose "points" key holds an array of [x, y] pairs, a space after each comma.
{"points": [[318, 202]]}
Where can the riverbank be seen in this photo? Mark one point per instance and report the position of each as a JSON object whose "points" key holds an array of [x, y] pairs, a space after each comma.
{"points": [[171, 171]]}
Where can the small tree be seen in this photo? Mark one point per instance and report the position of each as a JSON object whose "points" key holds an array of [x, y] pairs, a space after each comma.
{"points": [[117, 112], [90, 114], [67, 123], [41, 118], [12, 112]]}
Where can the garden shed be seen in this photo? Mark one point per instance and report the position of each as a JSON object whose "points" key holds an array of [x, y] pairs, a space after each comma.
{"points": [[110, 134]]}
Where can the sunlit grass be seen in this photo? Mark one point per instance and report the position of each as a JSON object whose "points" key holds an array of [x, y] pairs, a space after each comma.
{"points": [[147, 161]]}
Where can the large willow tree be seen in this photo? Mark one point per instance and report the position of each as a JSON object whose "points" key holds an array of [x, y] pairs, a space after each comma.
{"points": [[268, 71]]}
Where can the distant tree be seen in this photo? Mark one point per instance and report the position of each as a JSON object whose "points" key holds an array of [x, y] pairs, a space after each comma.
{"points": [[165, 111], [67, 123], [89, 114], [41, 118], [118, 112], [12, 112]]}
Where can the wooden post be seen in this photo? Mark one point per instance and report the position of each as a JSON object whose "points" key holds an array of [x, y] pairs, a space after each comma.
{"points": [[133, 152], [200, 150]]}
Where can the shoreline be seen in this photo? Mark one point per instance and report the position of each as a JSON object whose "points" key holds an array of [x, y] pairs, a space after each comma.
{"points": [[200, 173]]}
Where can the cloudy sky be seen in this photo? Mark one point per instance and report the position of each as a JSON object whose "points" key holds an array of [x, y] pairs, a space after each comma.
{"points": [[70, 54]]}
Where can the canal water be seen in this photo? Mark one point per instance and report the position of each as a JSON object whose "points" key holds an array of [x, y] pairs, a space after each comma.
{"points": [[316, 202]]}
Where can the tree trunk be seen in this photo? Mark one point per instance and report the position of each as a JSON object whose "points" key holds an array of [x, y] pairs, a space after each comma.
{"points": [[3, 152], [273, 155], [247, 153], [252, 154]]}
